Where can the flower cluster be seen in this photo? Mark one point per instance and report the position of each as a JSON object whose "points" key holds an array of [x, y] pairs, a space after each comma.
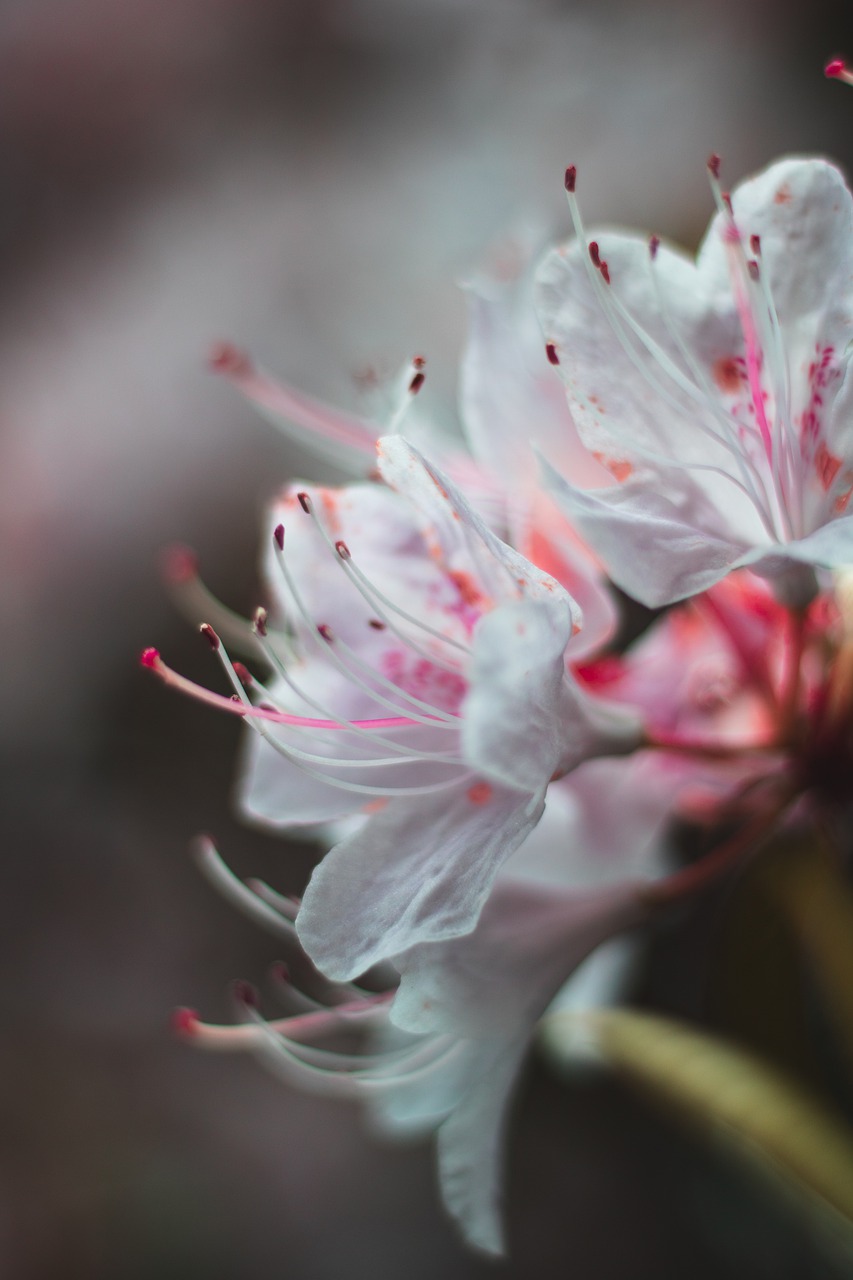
{"points": [[438, 689]]}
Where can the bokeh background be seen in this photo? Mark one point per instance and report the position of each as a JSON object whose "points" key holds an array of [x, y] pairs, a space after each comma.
{"points": [[310, 178]]}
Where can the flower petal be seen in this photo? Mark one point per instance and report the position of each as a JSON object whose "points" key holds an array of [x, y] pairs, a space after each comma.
{"points": [[418, 871], [654, 546]]}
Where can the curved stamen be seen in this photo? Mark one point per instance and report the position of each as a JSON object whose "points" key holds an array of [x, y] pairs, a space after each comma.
{"points": [[372, 594], [152, 660]]}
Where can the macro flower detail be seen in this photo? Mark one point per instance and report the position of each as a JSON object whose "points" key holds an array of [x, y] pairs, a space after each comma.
{"points": [[717, 393], [441, 1051], [472, 654]]}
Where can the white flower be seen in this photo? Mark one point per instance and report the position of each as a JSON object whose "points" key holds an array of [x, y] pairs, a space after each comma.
{"points": [[442, 1055], [420, 675], [718, 393]]}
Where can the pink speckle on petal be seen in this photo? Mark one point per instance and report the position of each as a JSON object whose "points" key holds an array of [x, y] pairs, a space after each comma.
{"points": [[480, 793], [783, 195]]}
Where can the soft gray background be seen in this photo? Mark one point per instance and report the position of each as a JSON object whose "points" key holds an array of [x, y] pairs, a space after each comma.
{"points": [[309, 178]]}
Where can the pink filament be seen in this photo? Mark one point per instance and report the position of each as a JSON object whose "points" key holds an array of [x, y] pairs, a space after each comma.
{"points": [[155, 663]]}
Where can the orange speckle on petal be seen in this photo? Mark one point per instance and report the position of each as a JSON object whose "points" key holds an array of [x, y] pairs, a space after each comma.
{"points": [[726, 372], [480, 793], [827, 466], [374, 806], [783, 195], [466, 586], [619, 468]]}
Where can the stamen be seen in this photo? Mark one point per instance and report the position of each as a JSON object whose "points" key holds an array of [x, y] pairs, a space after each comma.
{"points": [[216, 872], [409, 384], [306, 760], [345, 725], [433, 713], [837, 70], [318, 425], [151, 659], [195, 601]]}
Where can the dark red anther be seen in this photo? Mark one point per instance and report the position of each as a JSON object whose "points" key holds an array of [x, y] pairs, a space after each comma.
{"points": [[605, 272], [755, 245], [727, 201], [551, 353], [304, 502], [714, 165], [654, 245], [210, 635], [183, 1022], [243, 674], [244, 993], [278, 536], [835, 68], [343, 550], [416, 383], [419, 362], [224, 357], [376, 624], [571, 178], [235, 697], [594, 254], [261, 621], [325, 632], [149, 658], [752, 268]]}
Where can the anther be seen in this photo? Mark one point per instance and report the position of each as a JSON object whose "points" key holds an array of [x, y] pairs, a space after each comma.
{"points": [[571, 178], [149, 658], [836, 69], [224, 357], [261, 621], [244, 993], [551, 353], [243, 674], [594, 254], [210, 635], [180, 564], [183, 1022], [325, 632], [752, 268], [376, 624], [343, 550], [416, 383], [727, 201], [714, 163], [280, 972], [305, 503], [278, 535], [418, 362], [755, 245], [654, 245]]}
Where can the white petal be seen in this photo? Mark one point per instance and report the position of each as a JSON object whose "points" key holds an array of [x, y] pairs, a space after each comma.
{"points": [[655, 549], [458, 535], [524, 718], [419, 870]]}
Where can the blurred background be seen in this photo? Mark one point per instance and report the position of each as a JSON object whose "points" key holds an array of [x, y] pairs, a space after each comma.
{"points": [[309, 178]]}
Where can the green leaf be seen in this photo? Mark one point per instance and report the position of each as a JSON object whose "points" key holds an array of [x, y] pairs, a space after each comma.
{"points": [[756, 1111], [808, 887]]}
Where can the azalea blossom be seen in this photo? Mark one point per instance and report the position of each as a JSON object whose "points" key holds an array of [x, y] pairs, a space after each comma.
{"points": [[716, 392], [510, 405], [419, 675], [441, 1051]]}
